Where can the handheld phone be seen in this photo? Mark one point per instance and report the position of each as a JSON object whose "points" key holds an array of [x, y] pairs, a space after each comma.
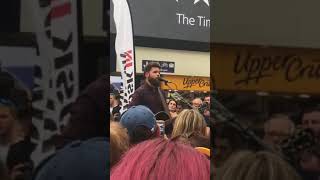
{"points": [[161, 125]]}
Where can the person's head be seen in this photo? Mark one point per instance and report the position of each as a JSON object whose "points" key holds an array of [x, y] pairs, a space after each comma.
{"points": [[310, 160], [79, 160], [160, 159], [140, 123], [179, 108], [112, 99], [206, 113], [151, 73], [247, 165], [187, 122], [311, 120], [303, 150], [226, 141], [207, 99], [196, 103], [8, 117], [172, 105], [90, 106], [196, 140], [16, 91], [278, 128], [119, 142]]}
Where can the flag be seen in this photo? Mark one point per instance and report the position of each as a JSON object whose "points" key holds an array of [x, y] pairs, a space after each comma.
{"points": [[124, 49], [56, 70]]}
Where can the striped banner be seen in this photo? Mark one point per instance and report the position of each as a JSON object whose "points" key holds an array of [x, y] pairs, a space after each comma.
{"points": [[125, 49], [56, 70]]}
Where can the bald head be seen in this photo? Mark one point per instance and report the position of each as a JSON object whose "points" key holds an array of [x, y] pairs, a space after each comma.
{"points": [[278, 128], [196, 103]]}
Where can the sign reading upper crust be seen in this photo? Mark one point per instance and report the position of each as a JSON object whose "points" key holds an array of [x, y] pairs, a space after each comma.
{"points": [[282, 70], [188, 83]]}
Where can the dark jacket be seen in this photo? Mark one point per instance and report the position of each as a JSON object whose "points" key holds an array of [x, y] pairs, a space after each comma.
{"points": [[147, 96], [89, 112]]}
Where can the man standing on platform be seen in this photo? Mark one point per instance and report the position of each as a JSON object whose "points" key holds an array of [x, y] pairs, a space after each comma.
{"points": [[147, 94]]}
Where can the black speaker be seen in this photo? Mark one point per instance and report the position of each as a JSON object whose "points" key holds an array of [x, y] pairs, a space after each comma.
{"points": [[10, 16]]}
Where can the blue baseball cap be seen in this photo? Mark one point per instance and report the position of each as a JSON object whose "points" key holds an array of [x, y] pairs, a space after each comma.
{"points": [[81, 160], [138, 116]]}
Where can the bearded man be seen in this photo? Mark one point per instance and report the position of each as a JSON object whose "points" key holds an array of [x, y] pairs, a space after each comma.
{"points": [[147, 94]]}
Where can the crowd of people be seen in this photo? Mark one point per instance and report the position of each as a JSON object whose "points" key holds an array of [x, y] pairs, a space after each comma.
{"points": [[284, 149], [188, 143], [86, 127], [202, 102], [293, 148], [15, 128], [148, 145], [140, 151]]}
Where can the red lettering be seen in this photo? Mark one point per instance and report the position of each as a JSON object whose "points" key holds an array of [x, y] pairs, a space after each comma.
{"points": [[128, 65], [61, 10], [128, 54]]}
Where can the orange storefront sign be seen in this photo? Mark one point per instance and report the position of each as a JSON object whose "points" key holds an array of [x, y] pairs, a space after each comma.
{"points": [[252, 68], [187, 83]]}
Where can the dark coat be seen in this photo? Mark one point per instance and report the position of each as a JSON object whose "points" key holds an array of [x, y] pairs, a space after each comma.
{"points": [[147, 96], [89, 112]]}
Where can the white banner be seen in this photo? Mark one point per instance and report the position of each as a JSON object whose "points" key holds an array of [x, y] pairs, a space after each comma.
{"points": [[56, 71], [125, 49]]}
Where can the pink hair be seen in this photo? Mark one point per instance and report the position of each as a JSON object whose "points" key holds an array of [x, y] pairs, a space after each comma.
{"points": [[160, 159]]}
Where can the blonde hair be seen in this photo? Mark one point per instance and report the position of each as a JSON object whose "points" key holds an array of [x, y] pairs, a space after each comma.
{"points": [[188, 122], [119, 142], [247, 165]]}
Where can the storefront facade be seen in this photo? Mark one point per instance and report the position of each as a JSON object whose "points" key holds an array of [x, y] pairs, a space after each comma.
{"points": [[273, 69]]}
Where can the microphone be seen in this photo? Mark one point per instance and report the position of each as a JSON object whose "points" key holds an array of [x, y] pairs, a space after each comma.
{"points": [[165, 81]]}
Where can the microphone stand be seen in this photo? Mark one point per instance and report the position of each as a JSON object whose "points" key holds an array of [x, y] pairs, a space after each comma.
{"points": [[167, 84]]}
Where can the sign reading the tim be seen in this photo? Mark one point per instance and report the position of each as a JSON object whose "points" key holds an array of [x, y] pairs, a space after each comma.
{"points": [[187, 20]]}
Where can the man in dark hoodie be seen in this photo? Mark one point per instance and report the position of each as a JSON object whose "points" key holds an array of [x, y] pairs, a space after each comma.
{"points": [[89, 114], [85, 135]]}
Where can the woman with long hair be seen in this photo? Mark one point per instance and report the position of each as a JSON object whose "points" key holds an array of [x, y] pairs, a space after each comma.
{"points": [[119, 142], [172, 106], [189, 121], [262, 165]]}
